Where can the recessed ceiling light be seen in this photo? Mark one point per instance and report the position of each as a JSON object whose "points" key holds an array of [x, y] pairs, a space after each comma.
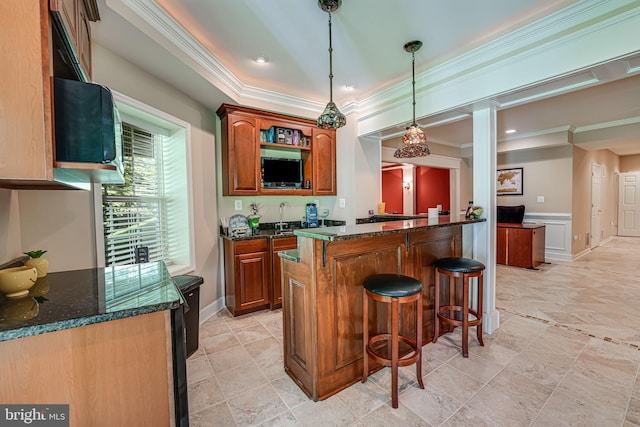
{"points": [[510, 131], [349, 87], [261, 60]]}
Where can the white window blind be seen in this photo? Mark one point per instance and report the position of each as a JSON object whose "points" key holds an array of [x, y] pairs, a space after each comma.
{"points": [[135, 214]]}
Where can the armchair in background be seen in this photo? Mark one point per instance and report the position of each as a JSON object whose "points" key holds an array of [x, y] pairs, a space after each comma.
{"points": [[510, 214]]}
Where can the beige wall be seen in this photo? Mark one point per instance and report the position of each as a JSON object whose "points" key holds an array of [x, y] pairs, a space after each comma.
{"points": [[630, 163], [581, 200], [546, 172], [122, 76], [10, 244]]}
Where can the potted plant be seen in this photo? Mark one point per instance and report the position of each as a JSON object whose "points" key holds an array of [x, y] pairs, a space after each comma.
{"points": [[36, 260], [254, 217]]}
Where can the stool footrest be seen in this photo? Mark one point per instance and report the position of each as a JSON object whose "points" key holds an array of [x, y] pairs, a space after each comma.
{"points": [[456, 322], [385, 361]]}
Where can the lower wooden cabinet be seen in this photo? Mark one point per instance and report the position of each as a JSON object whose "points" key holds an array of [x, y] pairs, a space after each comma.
{"points": [[281, 244], [520, 245], [252, 273], [247, 275]]}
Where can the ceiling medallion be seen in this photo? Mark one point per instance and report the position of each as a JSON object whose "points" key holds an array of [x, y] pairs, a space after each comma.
{"points": [[331, 117], [414, 141]]}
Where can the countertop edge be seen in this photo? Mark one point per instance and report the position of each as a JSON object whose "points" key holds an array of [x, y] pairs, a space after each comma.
{"points": [[29, 331]]}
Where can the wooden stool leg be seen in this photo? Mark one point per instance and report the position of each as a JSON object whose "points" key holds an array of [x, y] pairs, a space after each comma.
{"points": [[365, 335], [436, 329], [452, 301], [480, 298], [419, 341], [465, 315], [394, 352]]}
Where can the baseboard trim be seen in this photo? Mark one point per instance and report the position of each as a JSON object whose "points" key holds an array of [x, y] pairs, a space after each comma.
{"points": [[490, 321], [211, 310]]}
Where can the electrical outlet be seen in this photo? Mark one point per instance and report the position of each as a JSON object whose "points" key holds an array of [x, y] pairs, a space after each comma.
{"points": [[342, 202], [238, 205]]}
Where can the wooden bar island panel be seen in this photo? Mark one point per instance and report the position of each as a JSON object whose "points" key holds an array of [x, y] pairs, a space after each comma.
{"points": [[322, 293]]}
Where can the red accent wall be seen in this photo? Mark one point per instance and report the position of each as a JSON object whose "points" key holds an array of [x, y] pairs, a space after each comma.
{"points": [[392, 191], [432, 188]]}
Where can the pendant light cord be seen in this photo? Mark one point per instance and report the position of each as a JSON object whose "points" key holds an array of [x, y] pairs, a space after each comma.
{"points": [[413, 83], [331, 63]]}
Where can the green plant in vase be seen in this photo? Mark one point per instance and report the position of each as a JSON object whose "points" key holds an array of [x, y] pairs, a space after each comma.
{"points": [[254, 217], [36, 260]]}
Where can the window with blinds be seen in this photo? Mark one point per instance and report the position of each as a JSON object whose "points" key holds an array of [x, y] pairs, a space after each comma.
{"points": [[135, 214]]}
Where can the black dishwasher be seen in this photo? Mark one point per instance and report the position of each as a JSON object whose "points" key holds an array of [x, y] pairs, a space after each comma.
{"points": [[190, 287]]}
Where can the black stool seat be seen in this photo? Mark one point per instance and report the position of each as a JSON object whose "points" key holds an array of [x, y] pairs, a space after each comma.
{"points": [[392, 285], [459, 265]]}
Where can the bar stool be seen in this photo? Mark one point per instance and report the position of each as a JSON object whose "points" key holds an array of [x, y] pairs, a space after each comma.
{"points": [[453, 268], [393, 289]]}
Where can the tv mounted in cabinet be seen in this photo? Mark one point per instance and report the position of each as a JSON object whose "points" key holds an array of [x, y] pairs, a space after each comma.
{"points": [[281, 173]]}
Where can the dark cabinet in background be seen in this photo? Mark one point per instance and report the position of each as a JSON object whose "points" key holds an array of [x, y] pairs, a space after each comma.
{"points": [[520, 245], [247, 275], [281, 244]]}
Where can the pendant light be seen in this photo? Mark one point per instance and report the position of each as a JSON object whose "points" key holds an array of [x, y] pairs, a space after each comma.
{"points": [[414, 141], [331, 116]]}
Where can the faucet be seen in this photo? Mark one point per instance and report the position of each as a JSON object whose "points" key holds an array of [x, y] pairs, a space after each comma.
{"points": [[281, 225]]}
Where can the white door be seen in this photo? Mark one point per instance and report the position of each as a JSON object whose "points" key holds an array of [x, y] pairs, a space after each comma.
{"points": [[629, 204], [596, 210]]}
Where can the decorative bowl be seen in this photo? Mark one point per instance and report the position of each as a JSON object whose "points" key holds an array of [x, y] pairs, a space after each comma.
{"points": [[15, 282], [18, 310]]}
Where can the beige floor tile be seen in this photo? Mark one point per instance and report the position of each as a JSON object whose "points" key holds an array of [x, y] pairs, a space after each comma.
{"points": [[215, 415], [285, 419], [633, 411], [477, 367], [239, 379], [198, 369], [467, 417], [503, 408], [254, 405], [289, 392], [385, 416], [252, 334], [329, 412], [362, 399], [203, 394], [455, 383], [242, 322], [268, 355], [216, 343], [229, 358], [431, 404]]}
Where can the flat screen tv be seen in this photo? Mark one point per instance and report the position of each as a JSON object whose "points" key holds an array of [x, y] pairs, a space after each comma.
{"points": [[281, 173]]}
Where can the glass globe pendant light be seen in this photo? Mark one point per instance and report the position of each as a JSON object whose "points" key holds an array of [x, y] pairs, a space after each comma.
{"points": [[331, 117], [414, 141]]}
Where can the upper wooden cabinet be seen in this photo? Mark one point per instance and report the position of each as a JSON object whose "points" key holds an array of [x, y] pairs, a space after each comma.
{"points": [[30, 47], [244, 142], [72, 19]]}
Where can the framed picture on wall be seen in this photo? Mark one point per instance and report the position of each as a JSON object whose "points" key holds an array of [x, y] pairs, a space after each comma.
{"points": [[509, 182]]}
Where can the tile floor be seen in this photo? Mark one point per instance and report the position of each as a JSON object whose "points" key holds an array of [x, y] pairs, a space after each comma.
{"points": [[567, 354]]}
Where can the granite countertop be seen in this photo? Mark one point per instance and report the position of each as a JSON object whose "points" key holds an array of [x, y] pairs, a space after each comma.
{"points": [[359, 231], [76, 298], [268, 230]]}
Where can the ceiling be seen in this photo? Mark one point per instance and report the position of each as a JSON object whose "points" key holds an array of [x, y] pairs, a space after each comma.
{"points": [[367, 54]]}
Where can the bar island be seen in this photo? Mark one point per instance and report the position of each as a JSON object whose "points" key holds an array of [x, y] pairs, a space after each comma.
{"points": [[322, 293]]}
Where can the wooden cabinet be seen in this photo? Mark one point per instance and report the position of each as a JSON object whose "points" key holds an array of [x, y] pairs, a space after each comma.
{"points": [[520, 245], [72, 18], [253, 278], [280, 244], [245, 141], [324, 153], [247, 275], [27, 154]]}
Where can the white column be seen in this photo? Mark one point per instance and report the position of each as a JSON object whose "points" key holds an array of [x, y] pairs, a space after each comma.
{"points": [[484, 195]]}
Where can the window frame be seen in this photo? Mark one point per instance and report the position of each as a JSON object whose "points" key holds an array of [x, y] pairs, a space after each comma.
{"points": [[159, 119]]}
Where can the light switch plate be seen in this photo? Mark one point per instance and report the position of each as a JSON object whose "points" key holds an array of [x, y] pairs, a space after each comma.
{"points": [[540, 199], [238, 205], [342, 202]]}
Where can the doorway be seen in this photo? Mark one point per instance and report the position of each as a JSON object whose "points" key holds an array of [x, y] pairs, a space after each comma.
{"points": [[596, 209], [629, 204]]}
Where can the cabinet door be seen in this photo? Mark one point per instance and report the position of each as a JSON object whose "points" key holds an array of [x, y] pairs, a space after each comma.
{"points": [[281, 244], [519, 247], [501, 245], [323, 148], [242, 156], [84, 40], [26, 129], [252, 280], [67, 12]]}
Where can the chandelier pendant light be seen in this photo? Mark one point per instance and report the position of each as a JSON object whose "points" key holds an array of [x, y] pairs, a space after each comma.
{"points": [[414, 141], [331, 117]]}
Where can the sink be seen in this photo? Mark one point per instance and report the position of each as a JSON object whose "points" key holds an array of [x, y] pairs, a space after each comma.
{"points": [[284, 233]]}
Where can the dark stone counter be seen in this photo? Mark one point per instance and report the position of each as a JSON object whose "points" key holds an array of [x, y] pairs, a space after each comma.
{"points": [[77, 298]]}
